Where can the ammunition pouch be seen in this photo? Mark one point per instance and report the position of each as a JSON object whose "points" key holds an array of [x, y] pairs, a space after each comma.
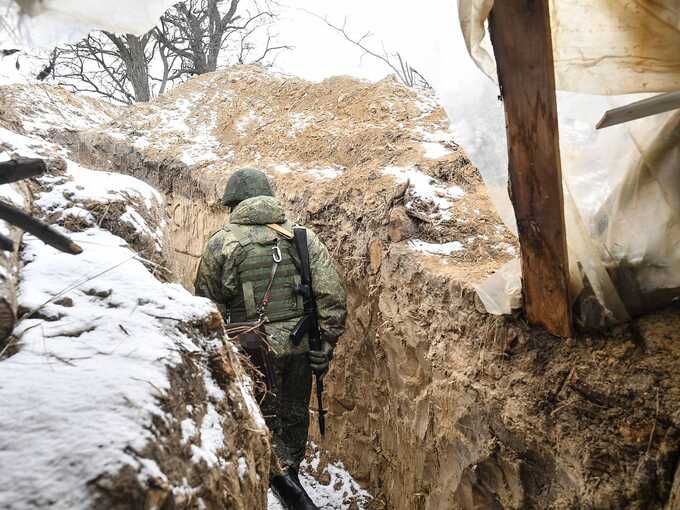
{"points": [[251, 339]]}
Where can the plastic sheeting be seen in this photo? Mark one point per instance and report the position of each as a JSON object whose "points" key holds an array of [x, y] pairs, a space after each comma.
{"points": [[622, 184], [600, 46], [46, 23]]}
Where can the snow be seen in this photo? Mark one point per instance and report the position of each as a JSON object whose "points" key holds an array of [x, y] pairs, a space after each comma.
{"points": [[80, 213], [26, 146], [251, 405], [282, 168], [329, 172], [41, 108], [242, 468], [436, 249], [326, 172], [300, 121], [341, 493], [176, 127], [427, 188], [435, 150], [189, 430], [212, 438], [89, 368], [91, 185], [245, 121], [9, 193], [150, 469]]}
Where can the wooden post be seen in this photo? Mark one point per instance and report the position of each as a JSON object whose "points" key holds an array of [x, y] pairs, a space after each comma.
{"points": [[520, 33]]}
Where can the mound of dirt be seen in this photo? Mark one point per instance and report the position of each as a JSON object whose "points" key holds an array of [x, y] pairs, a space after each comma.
{"points": [[344, 154]]}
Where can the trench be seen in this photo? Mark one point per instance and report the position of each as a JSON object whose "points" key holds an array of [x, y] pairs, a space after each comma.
{"points": [[434, 404]]}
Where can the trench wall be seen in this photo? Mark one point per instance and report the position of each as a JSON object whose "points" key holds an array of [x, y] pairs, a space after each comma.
{"points": [[436, 405]]}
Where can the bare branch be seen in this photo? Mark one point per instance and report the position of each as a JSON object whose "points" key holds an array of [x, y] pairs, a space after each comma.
{"points": [[402, 69]]}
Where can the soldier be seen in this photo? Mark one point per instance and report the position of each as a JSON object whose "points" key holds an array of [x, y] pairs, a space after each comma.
{"points": [[236, 272]]}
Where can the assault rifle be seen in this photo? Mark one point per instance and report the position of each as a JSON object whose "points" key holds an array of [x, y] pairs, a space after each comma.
{"points": [[309, 324]]}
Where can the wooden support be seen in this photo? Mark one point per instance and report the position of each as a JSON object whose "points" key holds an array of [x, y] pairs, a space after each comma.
{"points": [[520, 34], [9, 273], [39, 229], [19, 169], [641, 109]]}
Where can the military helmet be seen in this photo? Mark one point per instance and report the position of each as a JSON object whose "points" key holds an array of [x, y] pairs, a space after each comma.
{"points": [[246, 183]]}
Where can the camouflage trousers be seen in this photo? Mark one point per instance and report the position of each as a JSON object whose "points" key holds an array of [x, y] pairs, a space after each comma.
{"points": [[286, 411]]}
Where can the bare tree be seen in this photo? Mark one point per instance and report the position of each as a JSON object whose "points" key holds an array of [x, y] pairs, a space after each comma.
{"points": [[404, 71], [199, 30], [190, 39], [106, 64]]}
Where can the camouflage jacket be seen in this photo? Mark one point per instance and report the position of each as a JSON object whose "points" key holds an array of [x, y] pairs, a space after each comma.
{"points": [[217, 277]]}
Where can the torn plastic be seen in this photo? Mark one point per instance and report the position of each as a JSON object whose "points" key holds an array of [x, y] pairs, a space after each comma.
{"points": [[46, 23], [621, 185]]}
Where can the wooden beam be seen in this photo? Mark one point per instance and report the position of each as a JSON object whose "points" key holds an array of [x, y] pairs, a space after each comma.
{"points": [[38, 228], [19, 169], [520, 34], [10, 264], [641, 109]]}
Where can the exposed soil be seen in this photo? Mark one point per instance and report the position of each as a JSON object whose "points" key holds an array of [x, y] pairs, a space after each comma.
{"points": [[434, 404]]}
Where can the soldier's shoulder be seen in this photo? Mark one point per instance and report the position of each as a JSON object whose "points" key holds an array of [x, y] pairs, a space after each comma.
{"points": [[222, 237]]}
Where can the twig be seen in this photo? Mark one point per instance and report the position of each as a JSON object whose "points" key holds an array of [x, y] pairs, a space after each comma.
{"points": [[38, 228], [651, 436]]}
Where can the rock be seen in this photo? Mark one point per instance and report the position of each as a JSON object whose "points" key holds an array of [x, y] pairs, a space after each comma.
{"points": [[375, 255], [65, 301], [401, 226]]}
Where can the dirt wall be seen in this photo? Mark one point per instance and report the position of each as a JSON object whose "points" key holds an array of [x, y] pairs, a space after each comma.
{"points": [[436, 405], [433, 403], [444, 407]]}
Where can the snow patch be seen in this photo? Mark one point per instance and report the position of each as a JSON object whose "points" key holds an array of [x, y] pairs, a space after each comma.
{"points": [[212, 438], [242, 468], [189, 430], [436, 249], [435, 150], [341, 493], [300, 121], [96, 186], [427, 188], [329, 172], [9, 193], [282, 168]]}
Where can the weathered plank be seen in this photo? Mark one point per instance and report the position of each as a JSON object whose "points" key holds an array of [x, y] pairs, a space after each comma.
{"points": [[9, 269], [640, 109], [520, 33], [19, 169], [38, 228]]}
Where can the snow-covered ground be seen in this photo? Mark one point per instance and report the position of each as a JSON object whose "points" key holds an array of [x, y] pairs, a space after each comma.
{"points": [[340, 492], [83, 379]]}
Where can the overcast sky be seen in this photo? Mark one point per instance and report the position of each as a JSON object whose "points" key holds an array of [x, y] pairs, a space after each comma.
{"points": [[321, 52]]}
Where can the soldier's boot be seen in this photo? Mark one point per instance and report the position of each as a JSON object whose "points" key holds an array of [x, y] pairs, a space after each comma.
{"points": [[290, 492]]}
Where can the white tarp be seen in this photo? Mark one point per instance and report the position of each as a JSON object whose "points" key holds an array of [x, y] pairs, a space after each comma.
{"points": [[622, 184], [46, 23]]}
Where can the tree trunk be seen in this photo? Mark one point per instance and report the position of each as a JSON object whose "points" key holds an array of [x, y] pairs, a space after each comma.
{"points": [[9, 271], [137, 68]]}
